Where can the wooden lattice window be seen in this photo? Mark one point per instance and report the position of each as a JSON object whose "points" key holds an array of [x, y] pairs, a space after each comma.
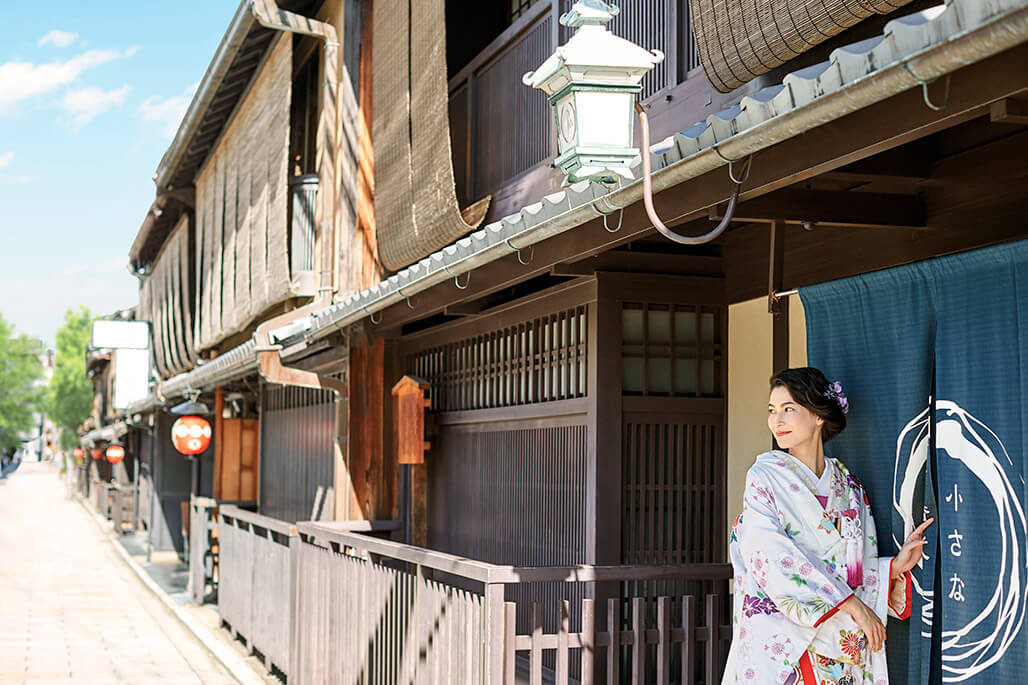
{"points": [[518, 8], [540, 360], [671, 350]]}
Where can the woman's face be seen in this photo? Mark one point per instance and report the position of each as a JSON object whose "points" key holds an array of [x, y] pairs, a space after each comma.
{"points": [[791, 423]]}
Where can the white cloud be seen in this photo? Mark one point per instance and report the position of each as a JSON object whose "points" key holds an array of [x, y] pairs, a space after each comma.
{"points": [[86, 103], [22, 80], [168, 111], [131, 50], [61, 39], [5, 159]]}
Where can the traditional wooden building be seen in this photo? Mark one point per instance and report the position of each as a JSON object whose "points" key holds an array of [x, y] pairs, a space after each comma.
{"points": [[353, 199]]}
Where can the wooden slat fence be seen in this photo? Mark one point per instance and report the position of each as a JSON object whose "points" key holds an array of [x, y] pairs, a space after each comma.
{"points": [[375, 611], [202, 537], [669, 651], [256, 582]]}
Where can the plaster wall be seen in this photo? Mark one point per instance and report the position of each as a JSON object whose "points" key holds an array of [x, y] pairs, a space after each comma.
{"points": [[749, 367]]}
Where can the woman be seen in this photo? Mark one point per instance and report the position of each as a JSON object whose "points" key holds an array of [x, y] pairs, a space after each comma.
{"points": [[811, 592]]}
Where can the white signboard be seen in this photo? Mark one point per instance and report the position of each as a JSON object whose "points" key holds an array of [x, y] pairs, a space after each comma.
{"points": [[134, 335], [131, 376]]}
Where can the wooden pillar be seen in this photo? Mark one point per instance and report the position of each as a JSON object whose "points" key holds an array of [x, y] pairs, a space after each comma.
{"points": [[603, 497], [365, 462], [778, 308], [219, 444]]}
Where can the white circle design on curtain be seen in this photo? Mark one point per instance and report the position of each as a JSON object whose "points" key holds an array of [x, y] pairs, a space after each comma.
{"points": [[983, 640]]}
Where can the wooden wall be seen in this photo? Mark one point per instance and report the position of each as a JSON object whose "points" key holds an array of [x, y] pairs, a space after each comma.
{"points": [[241, 208], [236, 460]]}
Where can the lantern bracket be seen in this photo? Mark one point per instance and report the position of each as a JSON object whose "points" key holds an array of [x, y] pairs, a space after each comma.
{"points": [[644, 127]]}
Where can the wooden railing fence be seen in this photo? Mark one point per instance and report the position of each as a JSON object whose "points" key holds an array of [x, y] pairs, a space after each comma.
{"points": [[667, 639], [202, 542], [375, 611], [257, 562]]}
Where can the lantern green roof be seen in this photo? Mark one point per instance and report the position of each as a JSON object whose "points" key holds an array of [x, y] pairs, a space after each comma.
{"points": [[593, 53]]}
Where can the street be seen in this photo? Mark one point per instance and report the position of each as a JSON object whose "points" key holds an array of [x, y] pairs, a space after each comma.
{"points": [[71, 611]]}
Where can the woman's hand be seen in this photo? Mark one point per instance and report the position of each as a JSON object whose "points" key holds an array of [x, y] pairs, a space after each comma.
{"points": [[910, 554], [867, 621]]}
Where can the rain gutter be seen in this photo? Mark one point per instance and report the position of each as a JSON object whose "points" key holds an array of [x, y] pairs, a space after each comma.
{"points": [[108, 433]]}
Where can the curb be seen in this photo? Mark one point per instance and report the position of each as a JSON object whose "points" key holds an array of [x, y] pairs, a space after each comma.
{"points": [[229, 659]]}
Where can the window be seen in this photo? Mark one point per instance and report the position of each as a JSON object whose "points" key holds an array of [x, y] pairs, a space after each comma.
{"points": [[671, 350], [540, 360]]}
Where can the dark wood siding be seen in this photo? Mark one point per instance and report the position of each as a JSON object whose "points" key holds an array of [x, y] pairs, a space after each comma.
{"points": [[297, 431]]}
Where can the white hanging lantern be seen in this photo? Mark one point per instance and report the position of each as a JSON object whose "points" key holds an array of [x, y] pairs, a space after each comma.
{"points": [[592, 82]]}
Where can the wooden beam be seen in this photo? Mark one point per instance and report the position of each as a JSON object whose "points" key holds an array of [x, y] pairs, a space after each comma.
{"points": [[899, 120], [472, 308], [909, 164], [1009, 111], [831, 208], [642, 261]]}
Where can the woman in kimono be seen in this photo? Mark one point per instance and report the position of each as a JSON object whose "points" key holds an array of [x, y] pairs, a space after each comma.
{"points": [[811, 592]]}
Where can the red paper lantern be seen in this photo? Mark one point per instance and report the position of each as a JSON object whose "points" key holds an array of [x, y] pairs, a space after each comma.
{"points": [[191, 434], [115, 453], [96, 453], [78, 454]]}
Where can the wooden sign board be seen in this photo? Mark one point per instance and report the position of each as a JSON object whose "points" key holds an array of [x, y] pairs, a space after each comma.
{"points": [[410, 403]]}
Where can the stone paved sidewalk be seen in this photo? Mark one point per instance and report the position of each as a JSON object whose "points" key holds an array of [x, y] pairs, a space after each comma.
{"points": [[71, 611]]}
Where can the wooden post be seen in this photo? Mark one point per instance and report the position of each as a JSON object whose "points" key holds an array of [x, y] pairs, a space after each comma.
{"points": [[219, 446], [494, 631], [588, 640], [603, 493], [778, 308]]}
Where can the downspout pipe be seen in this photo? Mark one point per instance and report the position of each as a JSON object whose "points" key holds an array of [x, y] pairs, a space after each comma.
{"points": [[269, 359], [269, 15]]}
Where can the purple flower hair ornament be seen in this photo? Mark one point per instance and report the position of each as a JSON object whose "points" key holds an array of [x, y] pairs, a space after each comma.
{"points": [[834, 392]]}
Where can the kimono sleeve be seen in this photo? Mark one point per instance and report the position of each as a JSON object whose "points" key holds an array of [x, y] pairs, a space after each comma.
{"points": [[885, 602], [800, 585]]}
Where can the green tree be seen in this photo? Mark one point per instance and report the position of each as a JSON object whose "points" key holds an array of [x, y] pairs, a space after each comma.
{"points": [[20, 369], [70, 395]]}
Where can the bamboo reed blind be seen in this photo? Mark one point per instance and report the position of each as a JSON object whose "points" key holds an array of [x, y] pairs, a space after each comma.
{"points": [[165, 301], [416, 211], [739, 40]]}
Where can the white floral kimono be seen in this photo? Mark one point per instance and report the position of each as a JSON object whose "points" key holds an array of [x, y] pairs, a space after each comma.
{"points": [[795, 561]]}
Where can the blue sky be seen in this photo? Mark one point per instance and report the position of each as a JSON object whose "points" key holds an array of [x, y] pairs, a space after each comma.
{"points": [[91, 94]]}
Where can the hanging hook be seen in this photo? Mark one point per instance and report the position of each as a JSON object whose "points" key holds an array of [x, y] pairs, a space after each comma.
{"points": [[924, 89], [406, 297], [518, 250], [371, 315], [619, 210], [456, 279], [731, 166], [644, 127], [621, 217]]}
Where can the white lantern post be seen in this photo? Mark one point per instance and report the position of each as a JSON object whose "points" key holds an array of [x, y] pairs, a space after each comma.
{"points": [[592, 82]]}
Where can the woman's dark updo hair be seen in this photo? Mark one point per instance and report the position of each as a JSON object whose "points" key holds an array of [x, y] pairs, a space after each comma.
{"points": [[807, 386]]}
